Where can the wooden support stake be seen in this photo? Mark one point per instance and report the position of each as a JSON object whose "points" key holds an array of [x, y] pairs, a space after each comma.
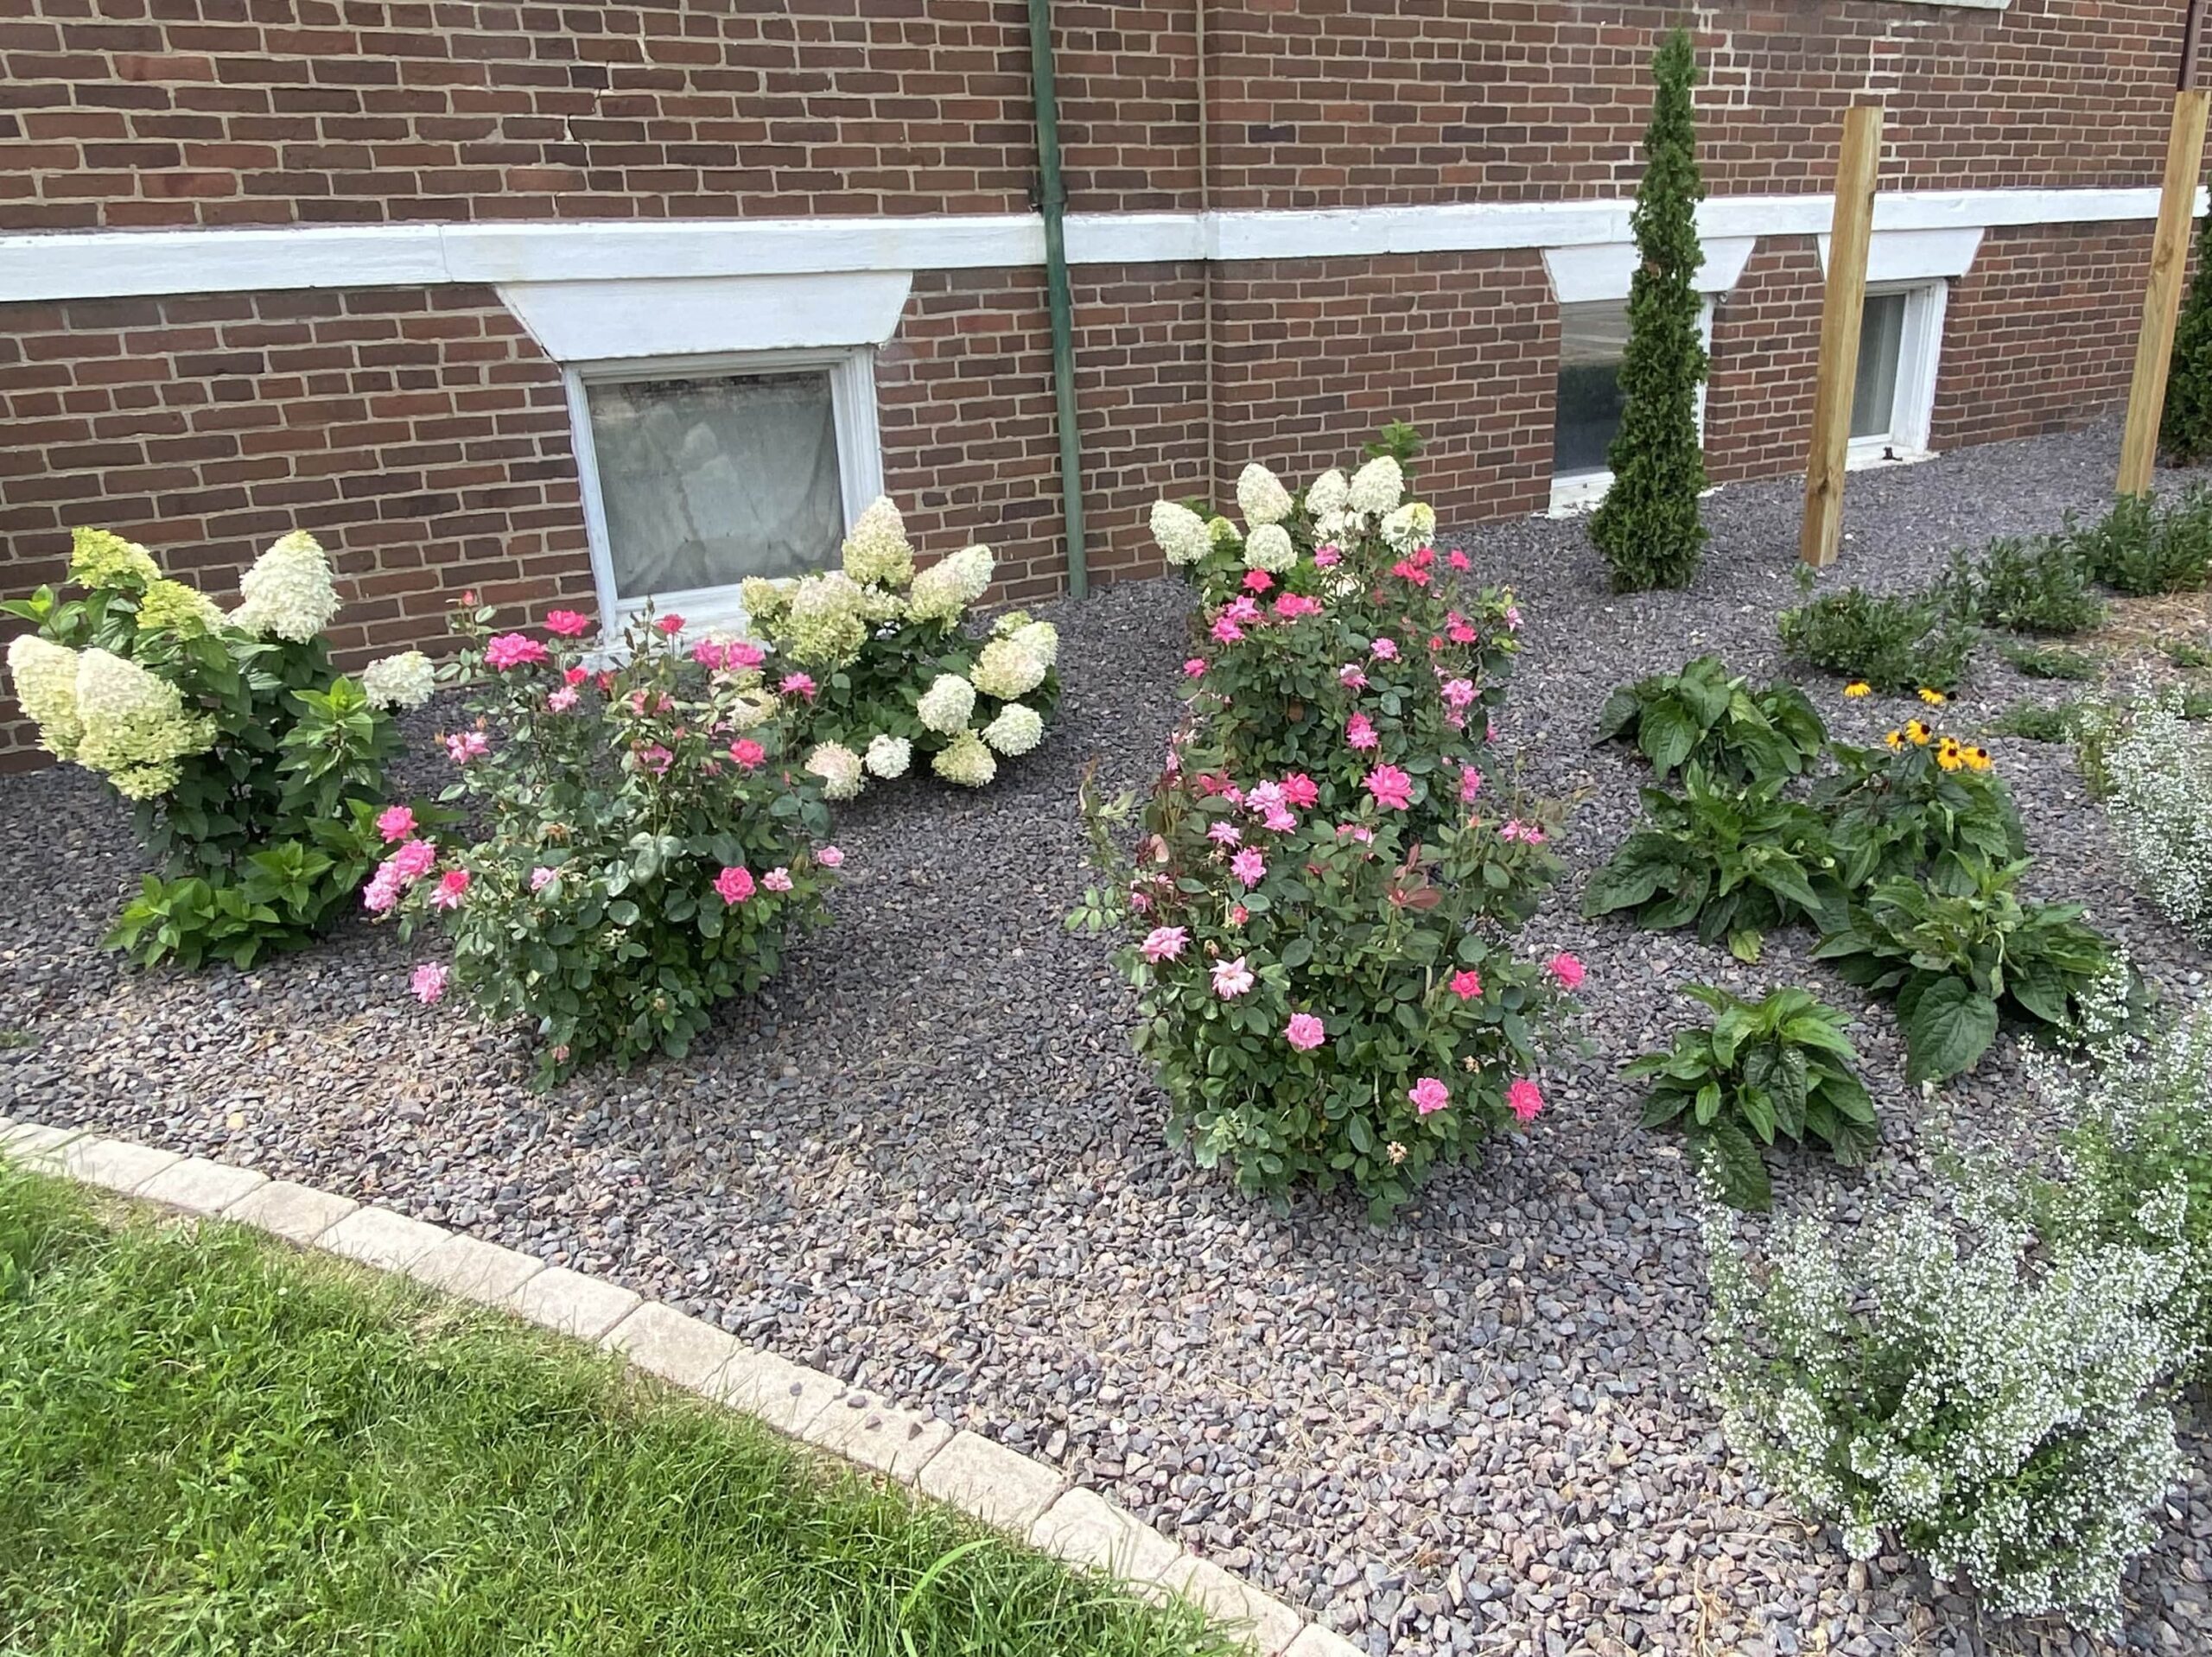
{"points": [[1842, 303], [2154, 342]]}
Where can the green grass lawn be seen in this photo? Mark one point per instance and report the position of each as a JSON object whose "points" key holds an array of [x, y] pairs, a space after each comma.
{"points": [[211, 1444]]}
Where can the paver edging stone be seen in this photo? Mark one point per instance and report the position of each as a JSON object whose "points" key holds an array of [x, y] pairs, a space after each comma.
{"points": [[1007, 1490]]}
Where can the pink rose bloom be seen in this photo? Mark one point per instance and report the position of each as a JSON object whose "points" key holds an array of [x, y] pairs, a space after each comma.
{"points": [[1568, 971], [742, 654], [655, 759], [1522, 1099], [1429, 1094], [567, 624], [747, 752], [707, 654], [1225, 631], [1325, 557], [513, 650], [1466, 985], [1248, 866], [1460, 692], [830, 858], [1280, 822], [575, 675], [465, 745], [1301, 790], [1264, 795], [777, 879], [1232, 979], [1462, 632], [1513, 624], [451, 886], [1194, 668], [562, 700], [1385, 649], [1359, 832], [797, 684], [1239, 914], [1140, 901], [395, 822], [1390, 787], [1459, 559], [1257, 581], [428, 982], [1359, 732], [1290, 606], [1406, 569], [1526, 833], [1471, 784], [1303, 1031], [735, 885], [1457, 721], [413, 860], [670, 625], [1226, 834], [1164, 943], [381, 895], [1350, 678], [1242, 608]]}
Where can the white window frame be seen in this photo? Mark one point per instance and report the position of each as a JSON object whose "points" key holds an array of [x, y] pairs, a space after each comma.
{"points": [[1574, 493], [1919, 358], [860, 462]]}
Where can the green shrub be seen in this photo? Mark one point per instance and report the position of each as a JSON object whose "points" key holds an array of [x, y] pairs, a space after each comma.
{"points": [[2144, 547], [2040, 585], [1955, 965], [1398, 440], [1737, 862], [1778, 1068], [2185, 425], [2037, 723], [1703, 716], [1649, 528], [257, 771], [2185, 653], [1900, 642], [2049, 661], [1923, 805]]}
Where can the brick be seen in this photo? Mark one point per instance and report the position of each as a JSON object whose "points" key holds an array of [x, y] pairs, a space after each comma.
{"points": [[475, 1270], [569, 1303], [893, 1441], [377, 1237], [677, 1348], [296, 1213], [787, 1396], [116, 1164], [201, 1186], [1085, 1529], [991, 1481]]}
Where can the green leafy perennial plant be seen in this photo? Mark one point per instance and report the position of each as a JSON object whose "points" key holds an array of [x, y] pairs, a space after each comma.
{"points": [[1705, 716]]}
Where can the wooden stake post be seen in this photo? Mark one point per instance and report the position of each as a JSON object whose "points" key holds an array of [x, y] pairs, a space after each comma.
{"points": [[1843, 301], [2154, 342]]}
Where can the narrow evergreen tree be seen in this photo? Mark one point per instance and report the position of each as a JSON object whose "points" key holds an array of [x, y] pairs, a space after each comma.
{"points": [[2185, 429], [1649, 528]]}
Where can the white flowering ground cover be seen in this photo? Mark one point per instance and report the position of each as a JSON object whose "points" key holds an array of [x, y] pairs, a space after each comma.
{"points": [[927, 1157]]}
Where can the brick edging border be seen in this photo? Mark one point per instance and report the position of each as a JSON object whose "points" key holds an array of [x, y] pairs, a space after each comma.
{"points": [[1022, 1498]]}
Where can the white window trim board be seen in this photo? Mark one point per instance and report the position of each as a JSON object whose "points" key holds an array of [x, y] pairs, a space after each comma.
{"points": [[859, 463], [1900, 255], [1919, 360], [1576, 492], [1604, 270], [106, 265], [698, 317]]}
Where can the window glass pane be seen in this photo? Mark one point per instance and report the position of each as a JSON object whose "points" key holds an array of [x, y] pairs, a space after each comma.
{"points": [[708, 481], [1587, 408], [1881, 338]]}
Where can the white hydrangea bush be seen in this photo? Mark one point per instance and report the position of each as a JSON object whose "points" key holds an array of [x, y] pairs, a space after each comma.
{"points": [[1937, 1377], [257, 770], [875, 662], [2156, 768]]}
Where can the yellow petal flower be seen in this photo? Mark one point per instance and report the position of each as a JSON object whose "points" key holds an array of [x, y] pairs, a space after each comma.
{"points": [[1858, 687], [1933, 698]]}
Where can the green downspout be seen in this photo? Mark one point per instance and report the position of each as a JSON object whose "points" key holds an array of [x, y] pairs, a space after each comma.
{"points": [[1052, 201]]}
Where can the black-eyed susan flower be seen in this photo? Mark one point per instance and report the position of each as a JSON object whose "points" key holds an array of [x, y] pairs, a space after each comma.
{"points": [[1894, 739], [1978, 758], [1918, 733], [1933, 697], [1858, 687], [1949, 755]]}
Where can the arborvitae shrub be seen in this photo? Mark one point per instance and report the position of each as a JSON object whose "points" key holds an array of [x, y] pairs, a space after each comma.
{"points": [[2185, 429]]}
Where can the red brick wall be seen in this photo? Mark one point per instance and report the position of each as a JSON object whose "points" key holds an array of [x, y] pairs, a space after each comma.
{"points": [[420, 435], [1766, 350], [1312, 355]]}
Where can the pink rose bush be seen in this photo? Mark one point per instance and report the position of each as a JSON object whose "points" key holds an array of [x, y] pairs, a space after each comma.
{"points": [[1322, 912], [882, 672], [649, 849]]}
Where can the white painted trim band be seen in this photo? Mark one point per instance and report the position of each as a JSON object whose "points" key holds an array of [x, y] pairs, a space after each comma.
{"points": [[110, 264]]}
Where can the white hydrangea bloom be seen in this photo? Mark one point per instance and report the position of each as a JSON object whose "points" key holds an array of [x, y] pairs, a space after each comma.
{"points": [[1042, 639], [45, 676], [1328, 494], [826, 624], [966, 761], [1412, 526], [946, 588], [1261, 496], [752, 709], [1181, 533], [1018, 728], [838, 767], [402, 680], [287, 595], [1378, 487], [1010, 623], [1270, 548], [136, 729], [174, 606], [1006, 670], [946, 707], [766, 600], [877, 551], [102, 558], [888, 756]]}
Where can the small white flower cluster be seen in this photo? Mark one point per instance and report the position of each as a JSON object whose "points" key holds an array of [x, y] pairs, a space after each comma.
{"points": [[288, 594], [838, 767], [107, 714], [2021, 1439], [406, 680], [1336, 507], [2157, 768]]}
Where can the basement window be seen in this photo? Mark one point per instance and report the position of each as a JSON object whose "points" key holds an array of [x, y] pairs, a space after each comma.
{"points": [[1587, 400], [1893, 396], [700, 473]]}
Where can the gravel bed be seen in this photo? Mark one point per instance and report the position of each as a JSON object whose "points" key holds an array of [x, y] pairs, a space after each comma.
{"points": [[928, 1161]]}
